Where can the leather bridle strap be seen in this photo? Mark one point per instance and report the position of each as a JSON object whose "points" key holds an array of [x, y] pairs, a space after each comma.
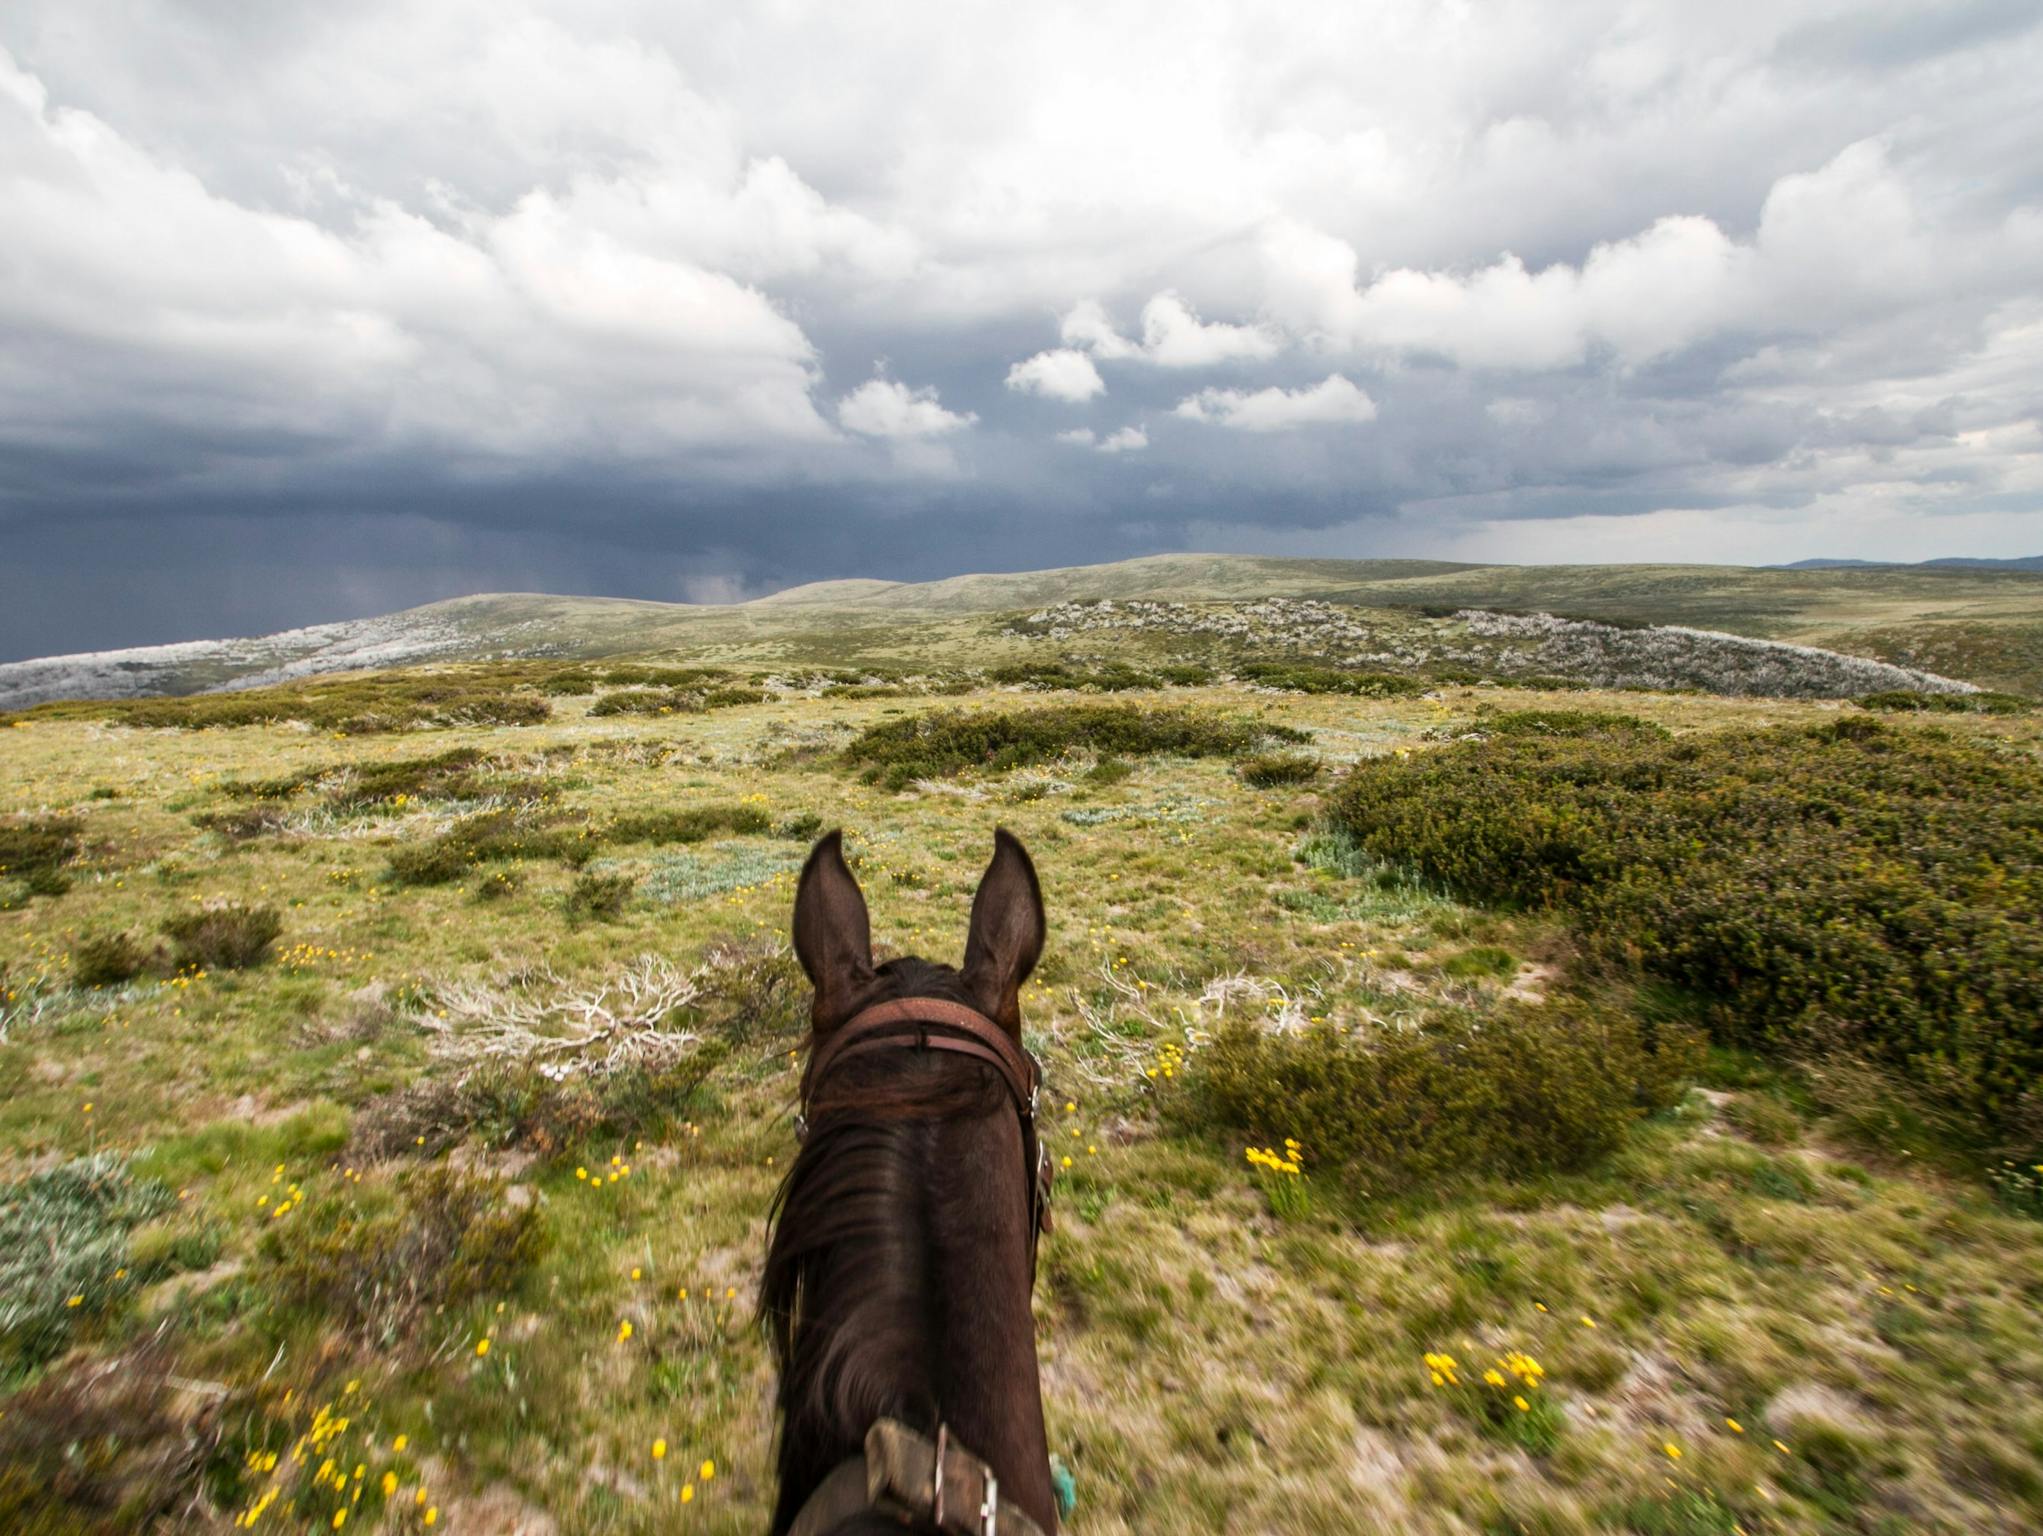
{"points": [[975, 1035]]}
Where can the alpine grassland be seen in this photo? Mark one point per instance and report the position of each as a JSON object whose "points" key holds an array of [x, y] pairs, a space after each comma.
{"points": [[1484, 1100]]}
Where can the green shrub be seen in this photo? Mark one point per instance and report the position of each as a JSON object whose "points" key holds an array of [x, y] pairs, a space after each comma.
{"points": [[800, 827], [1536, 1089], [1272, 770], [636, 676], [649, 701], [726, 698], [489, 838], [1299, 677], [1185, 674], [944, 742], [369, 702], [691, 825], [1109, 770], [1851, 885], [1568, 722], [37, 848], [598, 896], [108, 960], [229, 937], [374, 1270], [1102, 677], [443, 776], [1908, 701]]}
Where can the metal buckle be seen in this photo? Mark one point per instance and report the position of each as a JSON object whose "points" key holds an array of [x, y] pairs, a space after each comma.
{"points": [[801, 1127], [989, 1512], [943, 1439]]}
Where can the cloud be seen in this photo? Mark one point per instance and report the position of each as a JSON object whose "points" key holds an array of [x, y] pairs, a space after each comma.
{"points": [[599, 279], [1173, 336], [1332, 401], [511, 336], [1062, 374], [886, 408], [1834, 246], [1125, 440]]}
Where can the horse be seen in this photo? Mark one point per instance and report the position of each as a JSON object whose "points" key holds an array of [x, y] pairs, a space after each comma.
{"points": [[902, 1250]]}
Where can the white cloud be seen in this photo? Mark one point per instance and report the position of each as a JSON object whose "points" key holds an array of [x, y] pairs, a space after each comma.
{"points": [[504, 336], [1061, 374], [1770, 252], [1125, 440], [888, 408], [1173, 335], [1839, 245], [1332, 401]]}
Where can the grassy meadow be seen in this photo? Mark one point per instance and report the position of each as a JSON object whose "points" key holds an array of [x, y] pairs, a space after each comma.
{"points": [[397, 1072]]}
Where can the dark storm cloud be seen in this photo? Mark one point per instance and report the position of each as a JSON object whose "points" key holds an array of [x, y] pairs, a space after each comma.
{"points": [[308, 313]]}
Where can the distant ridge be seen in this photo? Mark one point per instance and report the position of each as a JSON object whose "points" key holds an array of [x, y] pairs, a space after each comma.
{"points": [[1947, 563], [1988, 609]]}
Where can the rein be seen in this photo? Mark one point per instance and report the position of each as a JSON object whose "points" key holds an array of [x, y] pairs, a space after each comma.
{"points": [[902, 1474]]}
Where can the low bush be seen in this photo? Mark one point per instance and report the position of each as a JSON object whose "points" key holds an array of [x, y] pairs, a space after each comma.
{"points": [[1569, 722], [106, 1445], [489, 838], [639, 676], [109, 960], [35, 851], [598, 896], [1533, 1090], [1272, 770], [649, 701], [228, 937], [729, 698], [370, 702], [687, 825], [1908, 701], [1299, 677], [374, 1270], [945, 742], [1101, 677], [1851, 885]]}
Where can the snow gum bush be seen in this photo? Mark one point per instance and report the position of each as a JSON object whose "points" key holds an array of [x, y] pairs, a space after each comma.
{"points": [[1871, 887]]}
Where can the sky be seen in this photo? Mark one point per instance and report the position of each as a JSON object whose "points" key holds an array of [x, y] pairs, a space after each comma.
{"points": [[312, 312]]}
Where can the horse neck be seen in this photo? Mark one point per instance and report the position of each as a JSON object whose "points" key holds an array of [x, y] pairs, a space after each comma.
{"points": [[938, 1323]]}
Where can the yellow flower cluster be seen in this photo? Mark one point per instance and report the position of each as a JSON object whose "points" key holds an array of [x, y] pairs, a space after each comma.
{"points": [[1170, 1061], [1515, 1373], [1291, 1161]]}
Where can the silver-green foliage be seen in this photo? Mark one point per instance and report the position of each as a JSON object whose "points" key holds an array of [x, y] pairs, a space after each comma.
{"points": [[63, 1241]]}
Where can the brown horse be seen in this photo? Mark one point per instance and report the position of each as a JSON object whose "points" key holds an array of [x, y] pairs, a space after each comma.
{"points": [[897, 1281]]}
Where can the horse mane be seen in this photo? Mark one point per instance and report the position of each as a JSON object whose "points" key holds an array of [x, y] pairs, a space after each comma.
{"points": [[852, 1310]]}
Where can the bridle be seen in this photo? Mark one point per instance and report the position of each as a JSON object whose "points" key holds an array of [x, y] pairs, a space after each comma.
{"points": [[937, 1024], [902, 1473]]}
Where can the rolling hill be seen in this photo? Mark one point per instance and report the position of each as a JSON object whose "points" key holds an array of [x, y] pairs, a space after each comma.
{"points": [[1982, 625]]}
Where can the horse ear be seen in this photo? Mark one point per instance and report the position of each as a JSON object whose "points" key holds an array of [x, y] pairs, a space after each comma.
{"points": [[833, 937], [1007, 932]]}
